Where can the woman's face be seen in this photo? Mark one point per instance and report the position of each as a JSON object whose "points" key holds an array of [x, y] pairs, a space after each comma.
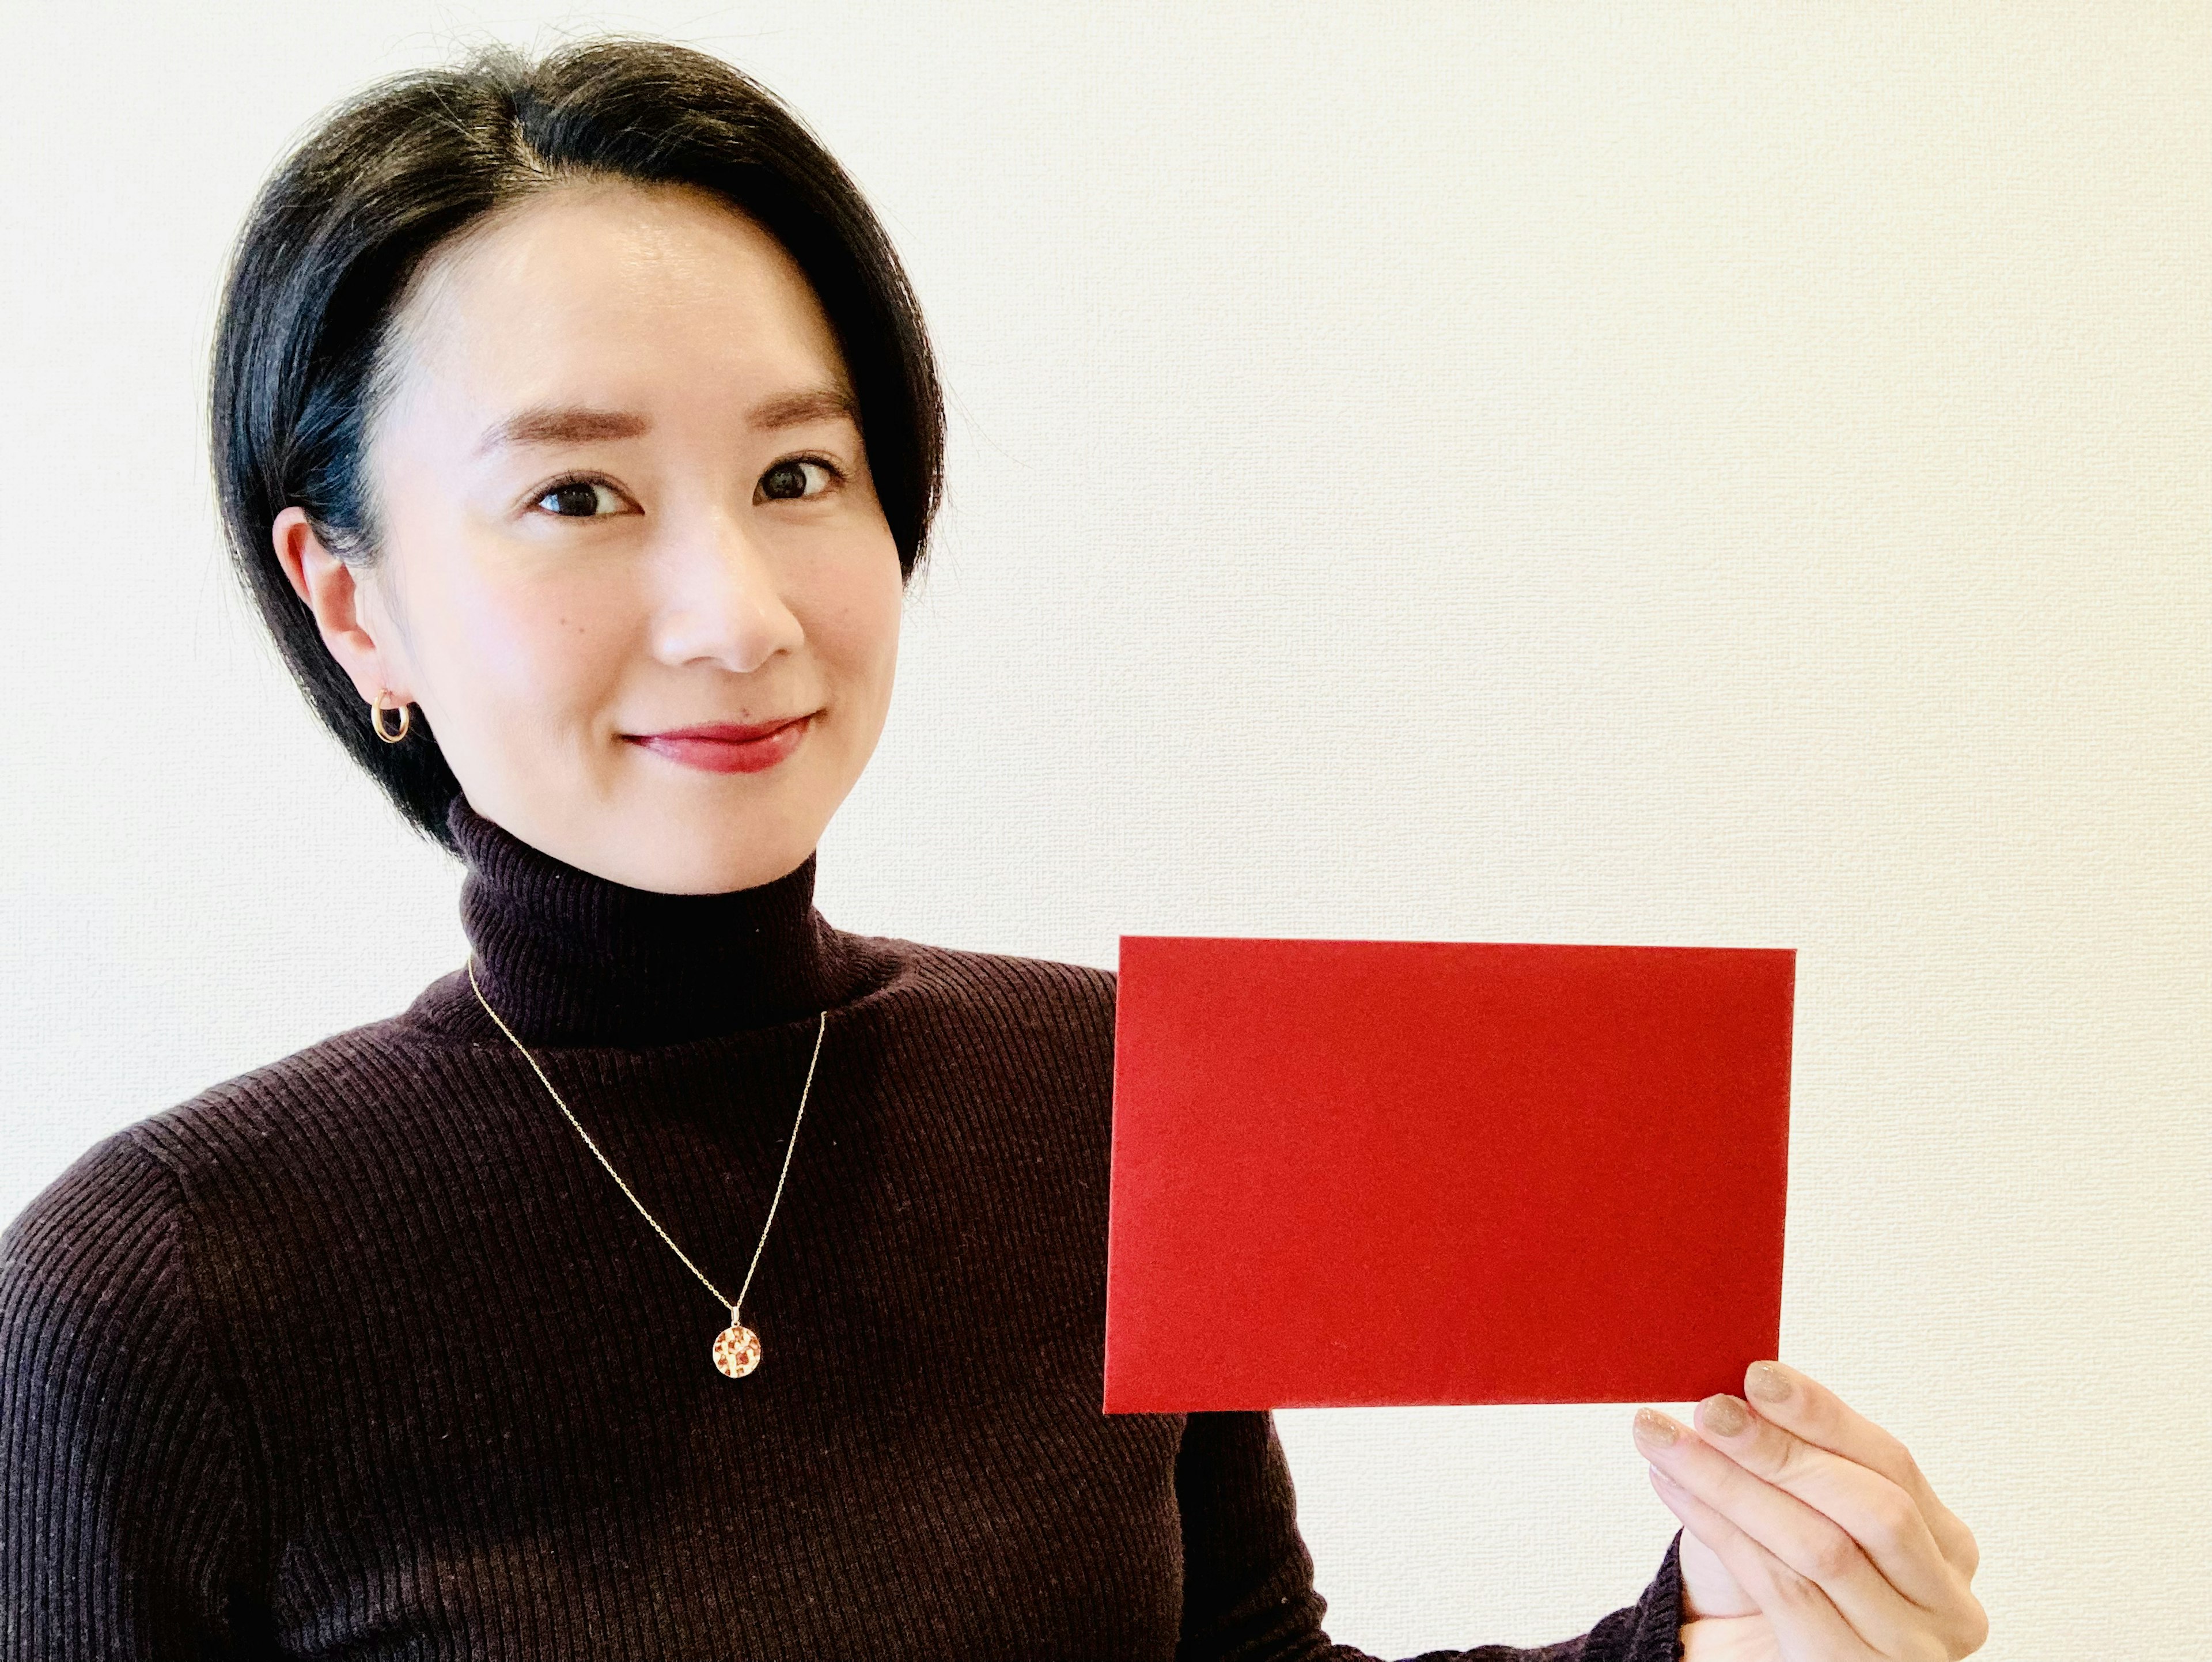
{"points": [[624, 514]]}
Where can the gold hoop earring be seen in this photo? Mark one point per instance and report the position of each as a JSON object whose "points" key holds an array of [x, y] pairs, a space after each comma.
{"points": [[376, 709]]}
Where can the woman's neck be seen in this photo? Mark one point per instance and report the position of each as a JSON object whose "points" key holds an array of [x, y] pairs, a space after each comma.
{"points": [[566, 958]]}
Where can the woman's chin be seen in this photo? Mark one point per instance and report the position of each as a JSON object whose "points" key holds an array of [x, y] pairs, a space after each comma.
{"points": [[692, 848]]}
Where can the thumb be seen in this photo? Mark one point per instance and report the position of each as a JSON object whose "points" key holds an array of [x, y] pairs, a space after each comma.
{"points": [[1708, 1588]]}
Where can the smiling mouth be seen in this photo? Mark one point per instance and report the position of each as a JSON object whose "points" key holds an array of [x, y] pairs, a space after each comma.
{"points": [[727, 747]]}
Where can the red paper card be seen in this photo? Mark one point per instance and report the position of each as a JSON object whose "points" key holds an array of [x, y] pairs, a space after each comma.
{"points": [[1367, 1172]]}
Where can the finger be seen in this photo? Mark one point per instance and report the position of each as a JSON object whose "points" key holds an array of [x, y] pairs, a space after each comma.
{"points": [[1708, 1589], [1727, 1639], [1802, 1405], [1806, 1624], [1803, 1538], [1885, 1520]]}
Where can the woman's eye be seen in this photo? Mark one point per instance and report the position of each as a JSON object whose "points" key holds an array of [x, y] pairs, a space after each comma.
{"points": [[790, 481], [580, 499]]}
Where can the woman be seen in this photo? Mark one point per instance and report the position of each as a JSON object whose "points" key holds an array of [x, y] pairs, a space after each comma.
{"points": [[682, 1276]]}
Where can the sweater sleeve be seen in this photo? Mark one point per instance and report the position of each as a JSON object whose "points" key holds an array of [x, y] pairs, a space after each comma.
{"points": [[1248, 1578], [123, 1513]]}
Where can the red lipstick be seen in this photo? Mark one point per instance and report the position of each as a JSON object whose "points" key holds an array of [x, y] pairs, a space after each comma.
{"points": [[726, 747]]}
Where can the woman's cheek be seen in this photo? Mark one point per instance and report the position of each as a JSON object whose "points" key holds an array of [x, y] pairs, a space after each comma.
{"points": [[869, 624], [547, 663]]}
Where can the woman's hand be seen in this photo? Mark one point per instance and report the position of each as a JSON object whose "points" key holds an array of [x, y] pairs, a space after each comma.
{"points": [[1810, 1533]]}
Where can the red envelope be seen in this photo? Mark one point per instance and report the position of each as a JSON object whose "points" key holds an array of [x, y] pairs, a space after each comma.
{"points": [[1367, 1172]]}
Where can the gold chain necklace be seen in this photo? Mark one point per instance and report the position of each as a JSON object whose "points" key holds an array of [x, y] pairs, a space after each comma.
{"points": [[737, 1348]]}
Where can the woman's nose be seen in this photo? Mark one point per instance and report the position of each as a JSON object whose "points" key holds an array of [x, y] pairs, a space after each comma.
{"points": [[720, 600]]}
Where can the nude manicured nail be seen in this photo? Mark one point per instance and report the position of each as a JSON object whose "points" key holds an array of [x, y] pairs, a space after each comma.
{"points": [[1724, 1414], [1768, 1383], [1653, 1427]]}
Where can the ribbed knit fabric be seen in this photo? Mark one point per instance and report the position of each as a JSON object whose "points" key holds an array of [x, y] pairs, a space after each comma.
{"points": [[363, 1354]]}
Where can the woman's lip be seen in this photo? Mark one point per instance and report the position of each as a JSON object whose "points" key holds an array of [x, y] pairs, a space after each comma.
{"points": [[726, 733], [725, 747]]}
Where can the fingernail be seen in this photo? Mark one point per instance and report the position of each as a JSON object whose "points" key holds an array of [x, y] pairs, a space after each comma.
{"points": [[1724, 1414], [1768, 1383], [1653, 1427]]}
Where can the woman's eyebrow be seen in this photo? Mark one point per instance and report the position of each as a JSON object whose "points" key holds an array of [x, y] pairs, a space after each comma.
{"points": [[797, 408], [577, 424], [562, 424]]}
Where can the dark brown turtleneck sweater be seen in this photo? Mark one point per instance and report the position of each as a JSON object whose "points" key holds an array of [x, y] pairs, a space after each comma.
{"points": [[362, 1354]]}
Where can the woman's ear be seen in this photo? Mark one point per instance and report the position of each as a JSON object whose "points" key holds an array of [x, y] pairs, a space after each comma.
{"points": [[330, 590]]}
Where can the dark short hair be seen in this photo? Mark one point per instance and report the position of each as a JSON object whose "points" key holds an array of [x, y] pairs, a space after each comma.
{"points": [[348, 217]]}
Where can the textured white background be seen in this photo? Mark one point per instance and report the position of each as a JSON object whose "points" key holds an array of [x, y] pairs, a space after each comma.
{"points": [[1701, 474]]}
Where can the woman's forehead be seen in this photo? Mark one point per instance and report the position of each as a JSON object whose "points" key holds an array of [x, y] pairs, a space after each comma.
{"points": [[610, 293]]}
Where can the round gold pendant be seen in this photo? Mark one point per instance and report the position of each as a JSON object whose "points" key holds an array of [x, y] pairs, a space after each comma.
{"points": [[737, 1350]]}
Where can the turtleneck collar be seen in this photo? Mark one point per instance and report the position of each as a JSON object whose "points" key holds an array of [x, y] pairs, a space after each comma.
{"points": [[566, 958]]}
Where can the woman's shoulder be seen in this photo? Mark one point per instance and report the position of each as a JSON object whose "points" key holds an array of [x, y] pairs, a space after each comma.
{"points": [[963, 983], [114, 1184], [1039, 1030], [252, 1127], [96, 1265]]}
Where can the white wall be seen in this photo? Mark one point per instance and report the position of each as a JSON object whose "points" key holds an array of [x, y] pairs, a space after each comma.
{"points": [[1681, 474]]}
